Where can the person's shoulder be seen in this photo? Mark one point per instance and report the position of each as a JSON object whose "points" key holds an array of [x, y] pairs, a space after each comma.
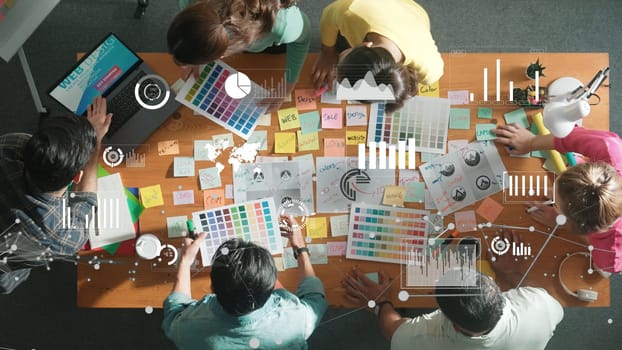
{"points": [[528, 297], [13, 142]]}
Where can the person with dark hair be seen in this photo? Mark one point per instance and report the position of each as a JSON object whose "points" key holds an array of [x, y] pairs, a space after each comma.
{"points": [[207, 30], [589, 194], [36, 171], [471, 315], [390, 38], [245, 310]]}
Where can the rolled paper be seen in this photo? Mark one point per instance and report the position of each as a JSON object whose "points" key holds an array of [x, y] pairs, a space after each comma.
{"points": [[555, 156]]}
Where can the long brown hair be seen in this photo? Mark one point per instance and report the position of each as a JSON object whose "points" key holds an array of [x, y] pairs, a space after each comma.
{"points": [[591, 196], [210, 29], [382, 65]]}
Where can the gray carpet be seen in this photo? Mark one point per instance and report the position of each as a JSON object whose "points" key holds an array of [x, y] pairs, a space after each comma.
{"points": [[42, 314]]}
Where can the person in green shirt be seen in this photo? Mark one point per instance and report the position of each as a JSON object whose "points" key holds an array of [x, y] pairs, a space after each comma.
{"points": [[207, 30]]}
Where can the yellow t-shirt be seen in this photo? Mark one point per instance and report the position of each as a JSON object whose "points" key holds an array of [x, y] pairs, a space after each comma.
{"points": [[403, 21]]}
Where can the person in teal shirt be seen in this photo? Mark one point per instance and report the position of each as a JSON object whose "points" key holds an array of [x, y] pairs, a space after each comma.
{"points": [[245, 311], [207, 30]]}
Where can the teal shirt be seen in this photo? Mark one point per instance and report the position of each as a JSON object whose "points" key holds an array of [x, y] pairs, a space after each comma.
{"points": [[291, 27], [284, 322]]}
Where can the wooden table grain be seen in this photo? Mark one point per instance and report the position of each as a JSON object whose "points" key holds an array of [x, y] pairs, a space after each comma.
{"points": [[136, 283]]}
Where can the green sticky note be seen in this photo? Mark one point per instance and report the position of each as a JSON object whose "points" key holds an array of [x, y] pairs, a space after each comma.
{"points": [[517, 116], [373, 276], [310, 122], [427, 156], [415, 192], [459, 118], [485, 113], [482, 132]]}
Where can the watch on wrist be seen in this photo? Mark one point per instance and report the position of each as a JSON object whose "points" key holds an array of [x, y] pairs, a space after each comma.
{"points": [[298, 251]]}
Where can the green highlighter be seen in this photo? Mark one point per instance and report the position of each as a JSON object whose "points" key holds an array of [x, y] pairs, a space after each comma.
{"points": [[190, 226]]}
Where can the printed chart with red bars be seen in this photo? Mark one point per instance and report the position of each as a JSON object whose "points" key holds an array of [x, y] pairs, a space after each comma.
{"points": [[255, 221], [380, 233], [207, 96], [426, 119]]}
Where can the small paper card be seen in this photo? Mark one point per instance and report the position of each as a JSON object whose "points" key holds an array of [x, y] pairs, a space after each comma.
{"points": [[284, 142], [213, 198], [459, 118], [183, 197], [223, 141], [432, 90], [166, 148], [151, 196], [460, 97], [356, 115], [483, 133], [202, 149], [288, 118], [310, 122], [317, 227], [336, 248], [308, 142], [260, 137], [394, 195], [183, 166], [353, 138], [415, 192], [209, 178], [489, 209], [305, 99], [339, 225], [334, 147], [332, 118], [176, 226], [465, 221], [484, 112]]}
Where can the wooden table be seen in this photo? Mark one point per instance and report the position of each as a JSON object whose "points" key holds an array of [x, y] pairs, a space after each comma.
{"points": [[137, 283]]}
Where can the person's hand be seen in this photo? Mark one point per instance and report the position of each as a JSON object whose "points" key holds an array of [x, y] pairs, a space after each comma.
{"points": [[289, 228], [323, 72], [191, 248], [545, 214], [97, 116], [516, 137], [360, 289], [190, 70], [507, 266]]}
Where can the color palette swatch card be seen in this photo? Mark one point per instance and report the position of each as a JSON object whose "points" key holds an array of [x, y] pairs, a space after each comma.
{"points": [[384, 234], [426, 119], [463, 177], [255, 221], [207, 96]]}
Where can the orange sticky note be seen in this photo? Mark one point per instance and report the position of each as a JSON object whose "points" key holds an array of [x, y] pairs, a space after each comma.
{"points": [[166, 148], [317, 227], [334, 147], [284, 142], [353, 138], [308, 142], [213, 198], [489, 209], [151, 196], [465, 221], [288, 118], [305, 99]]}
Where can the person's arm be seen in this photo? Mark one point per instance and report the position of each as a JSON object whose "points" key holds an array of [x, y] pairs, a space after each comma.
{"points": [[297, 47], [521, 140], [322, 71], [100, 120], [191, 248], [596, 144], [508, 270], [362, 290], [292, 231]]}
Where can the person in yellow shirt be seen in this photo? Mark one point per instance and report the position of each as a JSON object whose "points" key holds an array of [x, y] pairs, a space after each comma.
{"points": [[389, 38]]}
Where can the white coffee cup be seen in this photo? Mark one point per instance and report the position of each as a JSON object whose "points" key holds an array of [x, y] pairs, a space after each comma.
{"points": [[148, 246]]}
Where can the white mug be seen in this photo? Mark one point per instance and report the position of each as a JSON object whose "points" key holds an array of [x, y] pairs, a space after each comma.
{"points": [[148, 246]]}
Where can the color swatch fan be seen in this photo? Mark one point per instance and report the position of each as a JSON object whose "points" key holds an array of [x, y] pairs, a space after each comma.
{"points": [[426, 119], [255, 221], [381, 233], [215, 96]]}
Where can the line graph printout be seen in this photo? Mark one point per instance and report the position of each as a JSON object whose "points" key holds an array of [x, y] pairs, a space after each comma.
{"points": [[426, 119], [207, 96]]}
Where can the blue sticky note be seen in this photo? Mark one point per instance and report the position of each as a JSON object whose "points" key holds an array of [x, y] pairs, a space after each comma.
{"points": [[309, 122], [427, 156], [482, 132], [485, 113], [202, 149], [459, 118], [415, 192], [209, 178], [517, 116], [183, 166]]}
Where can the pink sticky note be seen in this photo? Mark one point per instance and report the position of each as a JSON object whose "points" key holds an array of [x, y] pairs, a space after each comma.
{"points": [[460, 97], [336, 248], [183, 197], [305, 99], [334, 147], [489, 209], [332, 118], [465, 221]]}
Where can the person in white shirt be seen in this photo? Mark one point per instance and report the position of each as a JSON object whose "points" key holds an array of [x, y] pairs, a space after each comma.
{"points": [[468, 317]]}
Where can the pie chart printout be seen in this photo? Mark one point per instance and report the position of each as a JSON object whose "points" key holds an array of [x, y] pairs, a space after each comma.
{"points": [[238, 85]]}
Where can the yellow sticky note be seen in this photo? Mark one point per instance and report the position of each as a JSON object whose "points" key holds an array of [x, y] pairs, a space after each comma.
{"points": [[355, 137], [288, 118], [284, 142], [394, 195], [432, 90], [151, 196], [317, 227], [308, 142]]}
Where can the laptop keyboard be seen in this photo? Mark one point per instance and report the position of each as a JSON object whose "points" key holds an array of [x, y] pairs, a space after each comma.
{"points": [[123, 106]]}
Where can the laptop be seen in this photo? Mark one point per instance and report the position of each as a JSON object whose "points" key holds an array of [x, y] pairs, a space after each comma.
{"points": [[112, 70]]}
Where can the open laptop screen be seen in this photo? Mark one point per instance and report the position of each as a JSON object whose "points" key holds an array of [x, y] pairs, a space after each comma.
{"points": [[95, 74]]}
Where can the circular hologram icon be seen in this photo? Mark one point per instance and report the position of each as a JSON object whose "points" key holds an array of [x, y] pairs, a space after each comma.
{"points": [[371, 304], [152, 91], [402, 295], [500, 246], [560, 219], [254, 343], [238, 85], [113, 157]]}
